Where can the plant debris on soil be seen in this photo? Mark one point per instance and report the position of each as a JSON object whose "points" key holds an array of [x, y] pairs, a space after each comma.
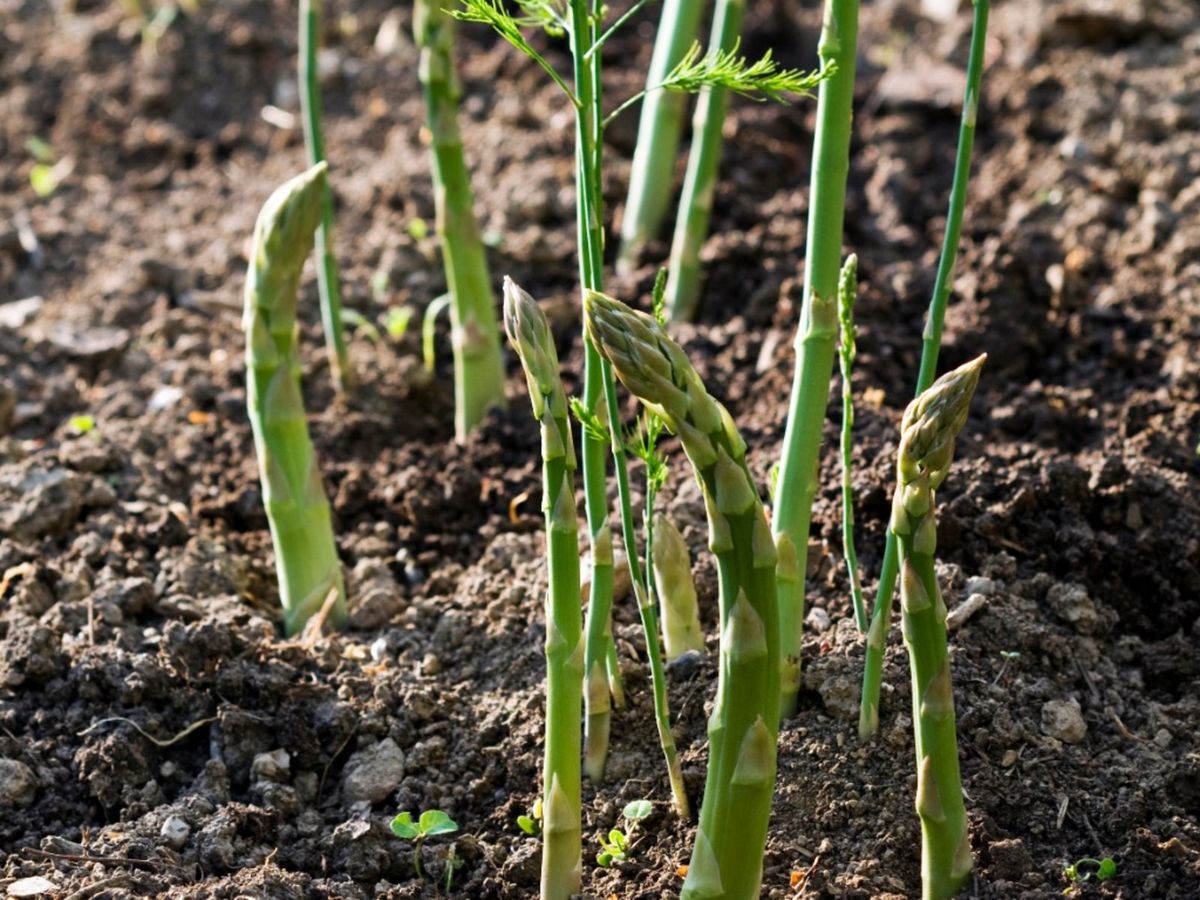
{"points": [[159, 736]]}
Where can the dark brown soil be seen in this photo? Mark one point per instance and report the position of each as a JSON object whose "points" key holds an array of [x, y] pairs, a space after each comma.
{"points": [[144, 684]]}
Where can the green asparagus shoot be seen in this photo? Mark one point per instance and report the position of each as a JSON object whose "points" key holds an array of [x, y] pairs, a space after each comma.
{"points": [[928, 432], [328, 283], [436, 307], [727, 857], [431, 823], [847, 350], [881, 614], [306, 560]]}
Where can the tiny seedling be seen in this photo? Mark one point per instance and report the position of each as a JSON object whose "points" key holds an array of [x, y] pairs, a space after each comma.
{"points": [[432, 822], [453, 864], [397, 321], [531, 824], [1088, 868], [81, 424], [615, 847]]}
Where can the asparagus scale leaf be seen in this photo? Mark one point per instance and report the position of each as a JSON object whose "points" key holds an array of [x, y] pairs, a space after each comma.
{"points": [[728, 854], [676, 590], [529, 333], [306, 559], [931, 424]]}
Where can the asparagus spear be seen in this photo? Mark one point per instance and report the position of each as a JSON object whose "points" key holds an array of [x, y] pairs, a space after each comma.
{"points": [[881, 615], [478, 367], [676, 590], [314, 142], [699, 183], [306, 559], [728, 854], [652, 175], [529, 333], [931, 424], [816, 332]]}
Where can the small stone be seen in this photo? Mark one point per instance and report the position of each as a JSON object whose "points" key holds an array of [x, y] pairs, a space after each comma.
{"points": [[965, 610], [1010, 859], [175, 832], [686, 664], [1162, 738], [379, 649], [18, 785], [431, 665], [274, 766], [980, 584], [1063, 720], [372, 774], [840, 694], [1010, 758], [817, 620], [31, 887], [20, 312], [1070, 602]]}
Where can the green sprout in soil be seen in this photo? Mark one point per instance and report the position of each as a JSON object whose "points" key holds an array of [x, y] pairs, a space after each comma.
{"points": [[931, 424], [306, 559], [81, 424], [529, 333], [877, 633], [531, 822], [431, 823], [847, 350], [328, 283], [475, 335], [1088, 868], [616, 845], [727, 857]]}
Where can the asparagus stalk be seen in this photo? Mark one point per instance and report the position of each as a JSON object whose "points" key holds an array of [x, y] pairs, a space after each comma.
{"points": [[728, 854], [847, 350], [314, 142], [931, 424], [675, 588], [583, 19], [652, 175], [529, 333], [699, 183], [881, 615], [306, 559], [478, 367], [816, 334]]}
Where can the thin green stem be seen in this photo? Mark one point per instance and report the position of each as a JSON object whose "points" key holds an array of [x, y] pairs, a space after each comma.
{"points": [[817, 331], [881, 615], [652, 175], [699, 183], [475, 336], [314, 142], [847, 350], [306, 560]]}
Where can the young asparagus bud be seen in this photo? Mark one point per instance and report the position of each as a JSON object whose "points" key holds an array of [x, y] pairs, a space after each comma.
{"points": [[529, 333], [728, 853], [306, 559], [930, 426], [676, 590]]}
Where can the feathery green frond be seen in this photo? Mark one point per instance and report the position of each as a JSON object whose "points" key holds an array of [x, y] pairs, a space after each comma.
{"points": [[760, 79]]}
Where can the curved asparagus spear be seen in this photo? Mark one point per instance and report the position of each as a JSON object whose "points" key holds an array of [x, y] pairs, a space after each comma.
{"points": [[306, 559], [529, 333], [478, 367], [881, 615], [314, 141], [728, 854], [927, 433], [676, 590]]}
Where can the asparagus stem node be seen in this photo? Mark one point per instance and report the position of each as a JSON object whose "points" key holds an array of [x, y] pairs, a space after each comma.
{"points": [[298, 512]]}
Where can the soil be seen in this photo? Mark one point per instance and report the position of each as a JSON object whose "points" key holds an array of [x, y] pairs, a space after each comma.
{"points": [[159, 736]]}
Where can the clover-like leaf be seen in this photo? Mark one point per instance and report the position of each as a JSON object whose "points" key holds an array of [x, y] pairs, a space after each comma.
{"points": [[404, 826], [434, 821]]}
